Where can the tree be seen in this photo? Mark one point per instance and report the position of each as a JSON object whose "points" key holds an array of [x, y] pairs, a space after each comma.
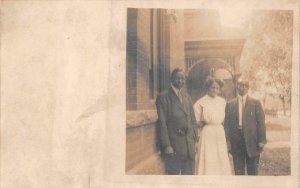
{"points": [[268, 53]]}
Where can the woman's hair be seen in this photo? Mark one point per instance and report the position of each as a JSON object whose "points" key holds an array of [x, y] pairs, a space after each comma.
{"points": [[209, 82]]}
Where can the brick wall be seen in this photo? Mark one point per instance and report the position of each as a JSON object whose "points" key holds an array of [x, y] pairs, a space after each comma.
{"points": [[138, 59], [177, 41], [131, 59], [154, 41], [143, 58], [201, 24], [167, 53], [140, 144], [140, 138]]}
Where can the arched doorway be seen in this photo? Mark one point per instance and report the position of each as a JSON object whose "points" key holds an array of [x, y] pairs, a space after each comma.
{"points": [[200, 71]]}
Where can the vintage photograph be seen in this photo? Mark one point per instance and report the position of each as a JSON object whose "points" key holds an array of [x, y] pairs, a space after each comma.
{"points": [[143, 94], [208, 92]]}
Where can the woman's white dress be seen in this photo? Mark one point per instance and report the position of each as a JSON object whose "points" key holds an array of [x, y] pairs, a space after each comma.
{"points": [[213, 156]]}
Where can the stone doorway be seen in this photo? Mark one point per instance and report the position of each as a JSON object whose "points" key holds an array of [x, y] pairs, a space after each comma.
{"points": [[201, 70], [217, 58]]}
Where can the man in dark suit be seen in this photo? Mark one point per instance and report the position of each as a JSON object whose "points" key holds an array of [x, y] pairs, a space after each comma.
{"points": [[176, 127], [245, 130]]}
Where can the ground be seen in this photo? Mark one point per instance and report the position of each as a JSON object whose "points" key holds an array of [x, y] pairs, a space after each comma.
{"points": [[275, 162], [275, 159]]}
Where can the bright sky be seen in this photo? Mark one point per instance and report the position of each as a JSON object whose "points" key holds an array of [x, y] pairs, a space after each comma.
{"points": [[234, 17]]}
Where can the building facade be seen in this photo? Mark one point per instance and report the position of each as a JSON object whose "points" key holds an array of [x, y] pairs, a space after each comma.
{"points": [[158, 41], [155, 46]]}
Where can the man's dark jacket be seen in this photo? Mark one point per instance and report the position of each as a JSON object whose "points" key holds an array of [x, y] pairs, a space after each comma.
{"points": [[253, 122], [176, 123]]}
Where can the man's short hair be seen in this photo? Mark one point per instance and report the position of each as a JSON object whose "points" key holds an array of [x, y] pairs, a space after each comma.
{"points": [[243, 82], [175, 71]]}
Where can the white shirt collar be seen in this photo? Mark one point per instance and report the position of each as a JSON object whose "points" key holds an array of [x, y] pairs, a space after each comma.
{"points": [[175, 89], [244, 97], [210, 97]]}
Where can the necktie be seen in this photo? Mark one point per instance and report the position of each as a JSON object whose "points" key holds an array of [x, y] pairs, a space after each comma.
{"points": [[243, 107], [180, 96]]}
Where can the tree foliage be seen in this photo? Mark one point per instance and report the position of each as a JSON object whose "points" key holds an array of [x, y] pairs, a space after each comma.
{"points": [[267, 55]]}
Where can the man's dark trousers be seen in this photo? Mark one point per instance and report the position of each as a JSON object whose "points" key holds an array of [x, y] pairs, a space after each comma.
{"points": [[177, 166], [241, 158]]}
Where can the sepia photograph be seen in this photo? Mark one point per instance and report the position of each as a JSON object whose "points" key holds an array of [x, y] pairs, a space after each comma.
{"points": [[208, 92], [143, 94]]}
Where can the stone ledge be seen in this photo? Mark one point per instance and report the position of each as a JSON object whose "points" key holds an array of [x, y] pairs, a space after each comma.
{"points": [[152, 165], [140, 117]]}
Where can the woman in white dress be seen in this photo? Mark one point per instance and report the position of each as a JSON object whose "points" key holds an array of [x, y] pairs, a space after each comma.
{"points": [[210, 112]]}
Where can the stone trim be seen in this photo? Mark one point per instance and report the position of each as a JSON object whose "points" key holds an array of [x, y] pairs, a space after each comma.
{"points": [[140, 117], [152, 165]]}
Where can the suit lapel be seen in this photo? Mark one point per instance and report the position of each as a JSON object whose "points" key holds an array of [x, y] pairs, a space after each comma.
{"points": [[236, 106], [176, 100], [246, 109], [185, 103]]}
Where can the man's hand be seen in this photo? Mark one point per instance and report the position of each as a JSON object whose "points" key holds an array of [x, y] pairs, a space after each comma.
{"points": [[201, 124], [261, 146], [169, 150]]}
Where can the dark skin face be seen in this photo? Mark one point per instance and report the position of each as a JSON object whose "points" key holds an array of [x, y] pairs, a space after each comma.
{"points": [[214, 89], [243, 88], [178, 80]]}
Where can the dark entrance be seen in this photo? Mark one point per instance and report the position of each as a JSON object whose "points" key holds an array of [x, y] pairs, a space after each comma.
{"points": [[217, 58], [202, 70]]}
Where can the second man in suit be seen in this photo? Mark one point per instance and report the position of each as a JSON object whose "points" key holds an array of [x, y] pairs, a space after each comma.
{"points": [[245, 130]]}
